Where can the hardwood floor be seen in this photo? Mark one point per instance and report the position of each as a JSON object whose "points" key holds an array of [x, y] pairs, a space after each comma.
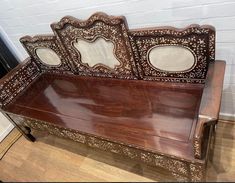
{"points": [[55, 159], [222, 168]]}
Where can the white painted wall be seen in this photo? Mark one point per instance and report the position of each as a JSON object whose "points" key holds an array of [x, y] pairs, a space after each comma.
{"points": [[5, 126], [21, 17]]}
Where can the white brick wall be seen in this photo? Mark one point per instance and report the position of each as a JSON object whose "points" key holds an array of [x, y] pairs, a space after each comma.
{"points": [[21, 17]]}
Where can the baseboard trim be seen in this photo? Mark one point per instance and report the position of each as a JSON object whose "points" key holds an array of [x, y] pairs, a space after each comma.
{"points": [[6, 132], [227, 117]]}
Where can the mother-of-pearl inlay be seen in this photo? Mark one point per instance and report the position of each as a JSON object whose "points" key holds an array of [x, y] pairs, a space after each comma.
{"points": [[171, 58], [98, 51], [48, 56]]}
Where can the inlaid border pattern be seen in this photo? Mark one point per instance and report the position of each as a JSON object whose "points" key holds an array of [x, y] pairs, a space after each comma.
{"points": [[197, 143], [47, 41], [17, 82], [114, 29], [199, 39], [183, 170]]}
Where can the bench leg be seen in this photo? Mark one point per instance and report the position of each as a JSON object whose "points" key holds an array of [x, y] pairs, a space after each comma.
{"points": [[26, 132], [180, 178], [17, 122], [28, 135], [197, 172]]}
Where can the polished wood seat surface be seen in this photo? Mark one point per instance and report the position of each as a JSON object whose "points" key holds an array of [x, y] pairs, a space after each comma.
{"points": [[151, 115]]}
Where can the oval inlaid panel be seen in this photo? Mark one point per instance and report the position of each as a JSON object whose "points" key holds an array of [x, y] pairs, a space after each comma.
{"points": [[48, 56], [171, 58], [99, 51]]}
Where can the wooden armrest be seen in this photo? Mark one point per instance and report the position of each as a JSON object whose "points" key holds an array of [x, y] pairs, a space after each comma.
{"points": [[211, 98], [16, 80], [210, 103], [13, 71], [199, 136]]}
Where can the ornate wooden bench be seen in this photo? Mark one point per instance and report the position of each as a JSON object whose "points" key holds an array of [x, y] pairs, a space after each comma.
{"points": [[152, 95]]}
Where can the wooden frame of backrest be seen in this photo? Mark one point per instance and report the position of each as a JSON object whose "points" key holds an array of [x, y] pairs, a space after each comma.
{"points": [[17, 80], [51, 42], [114, 29], [132, 47], [200, 40]]}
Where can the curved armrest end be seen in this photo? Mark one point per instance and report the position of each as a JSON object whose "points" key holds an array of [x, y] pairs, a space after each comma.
{"points": [[210, 104], [199, 135]]}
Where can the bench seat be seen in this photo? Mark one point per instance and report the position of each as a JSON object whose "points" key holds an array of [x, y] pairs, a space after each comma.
{"points": [[151, 115]]}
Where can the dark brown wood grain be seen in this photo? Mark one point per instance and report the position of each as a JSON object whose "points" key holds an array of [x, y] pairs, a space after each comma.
{"points": [[141, 113], [210, 103], [211, 98]]}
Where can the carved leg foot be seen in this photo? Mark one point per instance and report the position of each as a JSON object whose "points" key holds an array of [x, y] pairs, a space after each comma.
{"points": [[18, 122], [180, 178], [31, 137], [197, 173], [28, 135]]}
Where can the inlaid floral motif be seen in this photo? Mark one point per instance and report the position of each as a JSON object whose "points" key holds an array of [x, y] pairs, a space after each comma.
{"points": [[98, 25], [180, 168], [198, 39], [31, 44], [17, 82]]}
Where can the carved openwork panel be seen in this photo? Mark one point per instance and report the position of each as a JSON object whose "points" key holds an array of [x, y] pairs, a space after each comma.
{"points": [[98, 46], [18, 81], [169, 54], [47, 52]]}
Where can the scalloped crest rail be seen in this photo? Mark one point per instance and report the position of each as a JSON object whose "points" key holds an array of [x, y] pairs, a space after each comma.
{"points": [[152, 94], [131, 48]]}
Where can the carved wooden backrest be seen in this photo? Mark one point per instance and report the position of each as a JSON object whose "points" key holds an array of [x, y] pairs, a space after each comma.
{"points": [[102, 46], [170, 54], [47, 52], [98, 46]]}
